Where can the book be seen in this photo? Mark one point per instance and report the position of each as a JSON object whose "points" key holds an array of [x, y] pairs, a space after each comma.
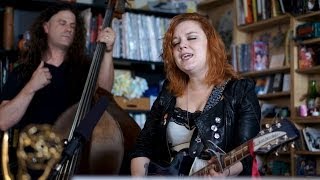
{"points": [[260, 59], [240, 13], [276, 82], [312, 138], [276, 61], [305, 57], [247, 4], [286, 82], [275, 8], [262, 85]]}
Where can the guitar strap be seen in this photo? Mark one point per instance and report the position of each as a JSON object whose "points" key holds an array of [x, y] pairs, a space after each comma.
{"points": [[201, 146]]}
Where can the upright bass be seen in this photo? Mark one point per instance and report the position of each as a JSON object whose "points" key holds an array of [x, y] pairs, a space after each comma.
{"points": [[113, 136], [115, 133]]}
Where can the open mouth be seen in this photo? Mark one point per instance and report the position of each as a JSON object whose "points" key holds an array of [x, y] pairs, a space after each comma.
{"points": [[186, 56]]}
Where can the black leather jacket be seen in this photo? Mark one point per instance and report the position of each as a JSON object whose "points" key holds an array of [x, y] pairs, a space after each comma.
{"points": [[239, 122]]}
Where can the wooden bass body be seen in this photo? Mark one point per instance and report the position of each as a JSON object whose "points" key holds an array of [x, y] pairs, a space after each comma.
{"points": [[111, 141]]}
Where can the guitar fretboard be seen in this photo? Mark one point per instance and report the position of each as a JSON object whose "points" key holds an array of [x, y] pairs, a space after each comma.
{"points": [[227, 160]]}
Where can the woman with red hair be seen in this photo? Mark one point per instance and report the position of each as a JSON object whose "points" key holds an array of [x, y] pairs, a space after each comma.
{"points": [[204, 109]]}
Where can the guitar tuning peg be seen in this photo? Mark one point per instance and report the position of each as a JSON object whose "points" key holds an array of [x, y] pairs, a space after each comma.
{"points": [[276, 153], [270, 129], [267, 125], [268, 146], [278, 125], [285, 137], [284, 148], [293, 145]]}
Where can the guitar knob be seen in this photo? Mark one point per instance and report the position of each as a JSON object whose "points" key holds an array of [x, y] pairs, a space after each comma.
{"points": [[292, 145], [276, 153]]}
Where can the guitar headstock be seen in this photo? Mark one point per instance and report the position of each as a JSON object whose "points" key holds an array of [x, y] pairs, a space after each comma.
{"points": [[274, 136]]}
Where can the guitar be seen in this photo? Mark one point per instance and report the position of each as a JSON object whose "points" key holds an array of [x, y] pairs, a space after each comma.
{"points": [[267, 140]]}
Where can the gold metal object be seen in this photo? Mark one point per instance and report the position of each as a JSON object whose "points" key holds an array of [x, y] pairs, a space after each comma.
{"points": [[5, 157], [39, 149]]}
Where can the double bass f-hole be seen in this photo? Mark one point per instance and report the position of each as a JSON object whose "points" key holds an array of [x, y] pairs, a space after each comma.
{"points": [[114, 8]]}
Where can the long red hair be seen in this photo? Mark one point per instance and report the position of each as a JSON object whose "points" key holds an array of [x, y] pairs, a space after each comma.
{"points": [[219, 68]]}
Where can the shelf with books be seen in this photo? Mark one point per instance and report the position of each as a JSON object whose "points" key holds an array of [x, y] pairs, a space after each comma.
{"points": [[311, 16], [265, 60], [284, 69], [306, 62], [305, 67], [308, 153], [309, 41], [274, 95], [307, 120], [278, 31], [264, 24], [206, 4], [139, 65], [148, 67], [312, 70]]}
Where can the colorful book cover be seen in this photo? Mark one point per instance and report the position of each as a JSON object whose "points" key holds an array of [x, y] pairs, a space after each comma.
{"points": [[305, 57], [260, 56]]}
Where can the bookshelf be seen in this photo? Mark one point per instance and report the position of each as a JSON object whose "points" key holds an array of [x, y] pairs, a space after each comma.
{"points": [[300, 84], [152, 71], [275, 22]]}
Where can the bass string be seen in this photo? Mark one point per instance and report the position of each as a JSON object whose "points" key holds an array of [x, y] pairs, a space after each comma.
{"points": [[70, 165], [86, 96]]}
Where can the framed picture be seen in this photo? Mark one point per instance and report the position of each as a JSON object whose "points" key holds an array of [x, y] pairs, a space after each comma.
{"points": [[276, 82], [312, 138], [306, 166]]}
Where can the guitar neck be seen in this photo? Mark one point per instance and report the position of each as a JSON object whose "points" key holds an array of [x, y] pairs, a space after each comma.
{"points": [[228, 159], [235, 155]]}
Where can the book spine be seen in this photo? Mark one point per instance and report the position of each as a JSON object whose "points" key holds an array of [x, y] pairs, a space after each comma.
{"points": [[248, 11]]}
